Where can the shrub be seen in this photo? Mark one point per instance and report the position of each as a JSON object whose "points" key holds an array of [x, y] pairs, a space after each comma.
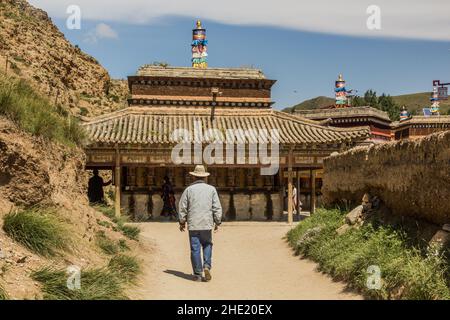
{"points": [[38, 229], [406, 272], [107, 245], [125, 267], [95, 284]]}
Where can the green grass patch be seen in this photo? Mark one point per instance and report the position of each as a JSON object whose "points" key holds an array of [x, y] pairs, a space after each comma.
{"points": [[35, 114], [105, 224], [124, 266], [123, 246], [130, 232], [106, 244], [406, 272], [95, 284], [38, 229]]}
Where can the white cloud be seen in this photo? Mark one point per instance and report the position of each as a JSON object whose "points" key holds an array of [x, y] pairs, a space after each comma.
{"points": [[101, 31], [415, 19]]}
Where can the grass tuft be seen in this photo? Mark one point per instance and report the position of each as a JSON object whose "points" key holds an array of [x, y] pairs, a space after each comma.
{"points": [[95, 284], [123, 246], [107, 245], [124, 266], [131, 232], [38, 229], [406, 272], [35, 114]]}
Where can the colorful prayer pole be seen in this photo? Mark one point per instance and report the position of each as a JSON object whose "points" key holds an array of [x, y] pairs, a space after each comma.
{"points": [[199, 47], [341, 93], [404, 114], [435, 102]]}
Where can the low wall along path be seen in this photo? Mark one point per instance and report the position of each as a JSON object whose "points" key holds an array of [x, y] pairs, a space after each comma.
{"points": [[411, 177]]}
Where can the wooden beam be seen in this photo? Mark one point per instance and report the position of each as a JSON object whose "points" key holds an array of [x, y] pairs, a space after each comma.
{"points": [[313, 191], [117, 182], [290, 190]]}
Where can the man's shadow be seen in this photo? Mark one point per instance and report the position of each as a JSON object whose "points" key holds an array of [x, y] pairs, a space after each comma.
{"points": [[179, 274]]}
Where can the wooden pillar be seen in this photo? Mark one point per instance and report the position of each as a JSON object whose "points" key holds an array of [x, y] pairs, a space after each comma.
{"points": [[290, 190], [313, 190], [298, 192], [282, 192], [117, 181]]}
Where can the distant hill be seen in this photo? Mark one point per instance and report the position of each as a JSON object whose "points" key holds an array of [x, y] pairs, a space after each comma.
{"points": [[38, 52], [414, 102], [314, 103]]}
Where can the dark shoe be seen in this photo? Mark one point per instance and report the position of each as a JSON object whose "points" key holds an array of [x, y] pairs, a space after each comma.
{"points": [[207, 274], [197, 278]]}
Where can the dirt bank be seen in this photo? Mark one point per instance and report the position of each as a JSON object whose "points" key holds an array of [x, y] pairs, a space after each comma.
{"points": [[37, 172]]}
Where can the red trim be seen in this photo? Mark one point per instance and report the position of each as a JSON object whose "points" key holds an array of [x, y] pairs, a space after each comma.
{"points": [[378, 133]]}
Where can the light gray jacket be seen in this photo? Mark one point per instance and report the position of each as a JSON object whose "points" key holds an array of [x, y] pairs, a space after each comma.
{"points": [[200, 206]]}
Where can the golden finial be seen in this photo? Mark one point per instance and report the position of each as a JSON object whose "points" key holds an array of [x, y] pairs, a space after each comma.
{"points": [[340, 78], [199, 24]]}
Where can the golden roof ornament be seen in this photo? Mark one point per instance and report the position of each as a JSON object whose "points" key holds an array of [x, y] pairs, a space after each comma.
{"points": [[199, 24], [340, 78]]}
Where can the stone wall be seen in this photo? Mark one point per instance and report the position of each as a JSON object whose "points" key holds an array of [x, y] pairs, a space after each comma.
{"points": [[411, 177]]}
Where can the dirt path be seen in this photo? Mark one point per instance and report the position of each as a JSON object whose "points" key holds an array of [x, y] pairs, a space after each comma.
{"points": [[250, 261]]}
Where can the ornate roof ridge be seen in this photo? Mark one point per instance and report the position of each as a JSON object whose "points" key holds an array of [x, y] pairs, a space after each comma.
{"points": [[318, 123], [348, 111]]}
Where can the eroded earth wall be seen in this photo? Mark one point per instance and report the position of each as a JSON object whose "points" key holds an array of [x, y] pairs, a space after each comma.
{"points": [[411, 177]]}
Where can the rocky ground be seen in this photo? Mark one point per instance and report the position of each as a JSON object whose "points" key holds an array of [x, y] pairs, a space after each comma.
{"points": [[37, 51]]}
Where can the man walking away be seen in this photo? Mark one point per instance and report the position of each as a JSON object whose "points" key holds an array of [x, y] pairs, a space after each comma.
{"points": [[200, 208]]}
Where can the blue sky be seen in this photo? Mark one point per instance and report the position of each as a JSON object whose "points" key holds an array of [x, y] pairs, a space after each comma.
{"points": [[305, 62]]}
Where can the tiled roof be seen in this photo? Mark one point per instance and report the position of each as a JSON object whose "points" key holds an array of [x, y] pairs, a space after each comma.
{"points": [[343, 113], [141, 125], [209, 73], [444, 119]]}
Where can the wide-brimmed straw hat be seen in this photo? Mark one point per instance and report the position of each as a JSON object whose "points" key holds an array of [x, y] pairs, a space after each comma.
{"points": [[200, 172]]}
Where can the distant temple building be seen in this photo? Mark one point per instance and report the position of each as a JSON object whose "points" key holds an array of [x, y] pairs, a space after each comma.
{"points": [[382, 128], [343, 115], [137, 143], [350, 117], [419, 126]]}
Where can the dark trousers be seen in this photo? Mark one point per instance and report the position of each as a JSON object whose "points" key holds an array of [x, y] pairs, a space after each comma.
{"points": [[201, 239]]}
